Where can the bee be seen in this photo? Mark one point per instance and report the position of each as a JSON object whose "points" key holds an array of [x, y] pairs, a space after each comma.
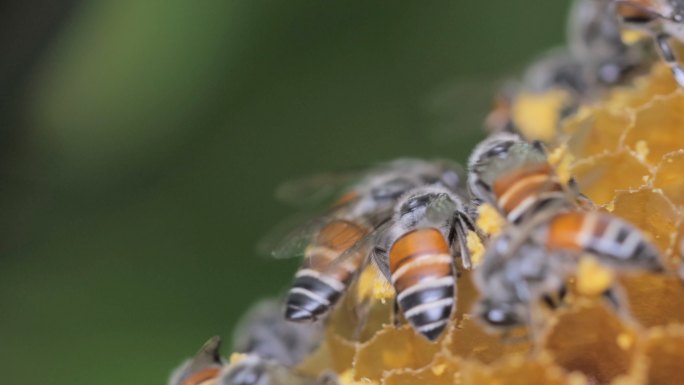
{"points": [[263, 332], [515, 177], [556, 83], [663, 20], [270, 347], [594, 38], [331, 258], [203, 368], [416, 254], [526, 263], [254, 370]]}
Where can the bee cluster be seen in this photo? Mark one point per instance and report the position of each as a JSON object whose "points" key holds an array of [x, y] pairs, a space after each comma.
{"points": [[553, 258]]}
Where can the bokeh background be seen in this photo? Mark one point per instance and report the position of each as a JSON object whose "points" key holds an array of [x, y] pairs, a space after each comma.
{"points": [[141, 141]]}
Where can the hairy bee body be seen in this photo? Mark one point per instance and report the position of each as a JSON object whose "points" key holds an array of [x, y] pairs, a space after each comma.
{"points": [[525, 263], [663, 20], [417, 252], [334, 256], [516, 178]]}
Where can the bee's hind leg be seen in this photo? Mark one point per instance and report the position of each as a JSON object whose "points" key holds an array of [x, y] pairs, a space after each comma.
{"points": [[668, 54]]}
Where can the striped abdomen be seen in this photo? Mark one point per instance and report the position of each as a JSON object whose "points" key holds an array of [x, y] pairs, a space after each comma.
{"points": [[322, 279], [526, 190], [609, 238], [202, 377], [423, 277]]}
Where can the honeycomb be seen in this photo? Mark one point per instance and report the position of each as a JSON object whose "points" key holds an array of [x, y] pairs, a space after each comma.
{"points": [[627, 155]]}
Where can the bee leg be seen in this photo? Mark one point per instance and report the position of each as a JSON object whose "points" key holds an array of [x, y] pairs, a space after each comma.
{"points": [[582, 200], [613, 298], [463, 224], [670, 58], [557, 299], [396, 314], [468, 223], [562, 293], [551, 302]]}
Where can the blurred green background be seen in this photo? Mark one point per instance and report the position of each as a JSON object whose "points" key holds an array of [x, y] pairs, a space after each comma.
{"points": [[141, 142]]}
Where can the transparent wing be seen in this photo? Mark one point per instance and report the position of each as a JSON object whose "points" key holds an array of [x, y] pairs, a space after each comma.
{"points": [[462, 106], [315, 189], [364, 246], [290, 238]]}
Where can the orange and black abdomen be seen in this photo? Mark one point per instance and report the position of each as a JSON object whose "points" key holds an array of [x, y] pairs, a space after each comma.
{"points": [[608, 237], [526, 190], [202, 377], [636, 11], [322, 279], [422, 273]]}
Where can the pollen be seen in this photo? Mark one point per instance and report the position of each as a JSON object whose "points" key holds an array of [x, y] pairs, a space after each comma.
{"points": [[475, 247], [489, 219], [537, 115], [236, 358], [373, 285], [593, 279]]}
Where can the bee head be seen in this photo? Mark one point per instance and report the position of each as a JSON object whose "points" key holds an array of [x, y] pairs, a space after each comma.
{"points": [[496, 156]]}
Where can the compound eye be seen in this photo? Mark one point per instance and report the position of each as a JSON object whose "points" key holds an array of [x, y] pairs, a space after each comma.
{"points": [[499, 150], [415, 203]]}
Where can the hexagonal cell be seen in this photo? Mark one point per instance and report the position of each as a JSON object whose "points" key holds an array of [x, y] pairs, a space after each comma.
{"points": [[469, 340], [591, 339], [654, 299], [659, 82], [439, 372], [678, 255], [650, 211], [669, 177], [519, 370], [659, 125], [665, 352], [357, 317], [393, 348], [602, 176], [596, 133], [341, 352]]}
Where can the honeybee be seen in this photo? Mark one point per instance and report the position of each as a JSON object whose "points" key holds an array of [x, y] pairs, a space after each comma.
{"points": [[556, 83], [594, 38], [269, 346], [203, 369], [515, 177], [262, 331], [272, 346], [254, 370], [663, 20], [416, 254], [331, 258], [526, 263]]}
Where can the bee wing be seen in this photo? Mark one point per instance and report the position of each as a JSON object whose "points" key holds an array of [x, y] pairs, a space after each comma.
{"points": [[472, 103], [289, 238], [364, 245], [315, 189], [208, 356]]}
